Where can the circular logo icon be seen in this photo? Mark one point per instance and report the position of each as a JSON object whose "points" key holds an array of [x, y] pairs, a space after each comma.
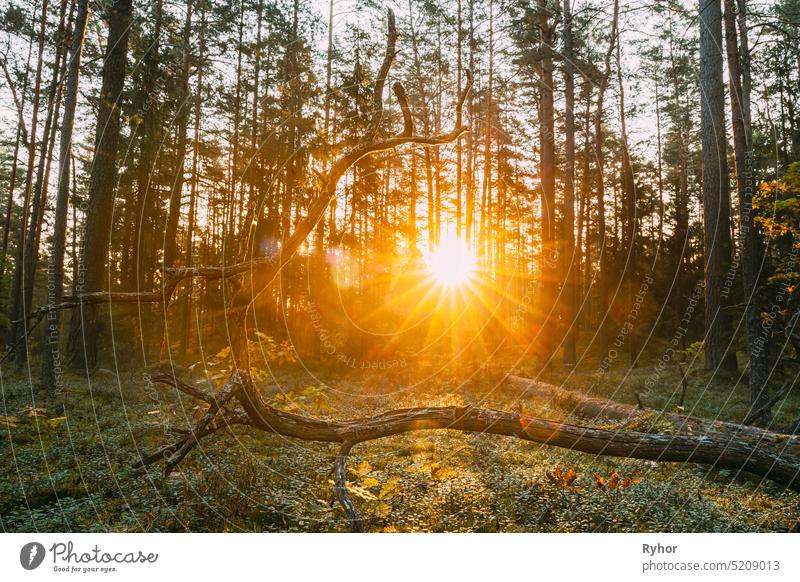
{"points": [[31, 555]]}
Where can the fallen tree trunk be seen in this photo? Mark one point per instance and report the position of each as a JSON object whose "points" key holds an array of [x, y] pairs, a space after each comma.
{"points": [[771, 456], [598, 409]]}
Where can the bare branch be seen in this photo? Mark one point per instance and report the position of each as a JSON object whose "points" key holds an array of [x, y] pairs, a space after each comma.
{"points": [[172, 380], [340, 472], [402, 99], [754, 415], [388, 59], [167, 452]]}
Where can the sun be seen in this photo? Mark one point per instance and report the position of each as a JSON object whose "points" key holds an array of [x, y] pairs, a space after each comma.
{"points": [[452, 264]]}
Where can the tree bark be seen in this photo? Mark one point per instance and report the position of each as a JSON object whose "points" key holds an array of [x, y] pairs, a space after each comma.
{"points": [[547, 340], [570, 264], [739, 80], [18, 307], [51, 349], [82, 347], [176, 193], [716, 195], [54, 93], [603, 251], [630, 230]]}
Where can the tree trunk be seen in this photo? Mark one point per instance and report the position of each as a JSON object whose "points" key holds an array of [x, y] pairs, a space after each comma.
{"points": [[176, 193], [143, 224], [739, 79], [19, 309], [31, 248], [82, 345], [599, 139], [570, 264], [716, 197], [51, 349], [189, 251], [547, 340]]}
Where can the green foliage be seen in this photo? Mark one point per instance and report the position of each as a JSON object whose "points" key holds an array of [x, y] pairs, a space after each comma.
{"points": [[263, 351], [70, 460]]}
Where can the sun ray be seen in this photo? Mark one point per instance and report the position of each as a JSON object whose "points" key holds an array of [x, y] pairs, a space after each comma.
{"points": [[452, 264]]}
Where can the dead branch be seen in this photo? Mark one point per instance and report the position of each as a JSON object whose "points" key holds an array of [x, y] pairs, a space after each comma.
{"points": [[168, 452], [754, 415], [772, 456], [383, 73], [175, 382], [599, 409], [340, 472]]}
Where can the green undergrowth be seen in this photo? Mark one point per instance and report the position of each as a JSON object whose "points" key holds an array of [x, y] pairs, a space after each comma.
{"points": [[67, 460]]}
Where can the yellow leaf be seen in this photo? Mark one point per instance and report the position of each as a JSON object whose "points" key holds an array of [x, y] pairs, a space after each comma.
{"points": [[54, 422], [9, 421], [429, 466], [360, 492], [382, 510], [33, 412], [363, 468], [390, 489], [442, 473], [369, 482]]}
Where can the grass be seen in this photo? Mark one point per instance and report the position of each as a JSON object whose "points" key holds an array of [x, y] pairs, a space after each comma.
{"points": [[67, 460]]}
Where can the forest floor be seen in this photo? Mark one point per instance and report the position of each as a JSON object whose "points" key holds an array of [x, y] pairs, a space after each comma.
{"points": [[66, 460]]}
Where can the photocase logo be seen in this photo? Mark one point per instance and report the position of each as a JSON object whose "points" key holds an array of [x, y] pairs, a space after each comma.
{"points": [[31, 555]]}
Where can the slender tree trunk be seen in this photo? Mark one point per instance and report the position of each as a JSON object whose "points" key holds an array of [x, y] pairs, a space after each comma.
{"points": [[459, 73], [486, 196], [21, 138], [469, 224], [176, 193], [659, 169], [51, 353], [585, 215], [570, 265], [548, 313], [19, 310], [599, 139], [739, 79], [630, 230], [31, 249], [143, 227], [198, 110], [716, 197], [235, 208]]}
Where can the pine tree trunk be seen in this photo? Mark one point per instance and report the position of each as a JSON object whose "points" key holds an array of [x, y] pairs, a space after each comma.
{"points": [[548, 330], [716, 197], [51, 349], [19, 309], [31, 248], [739, 79], [630, 231], [176, 193], [603, 251], [82, 345], [570, 264]]}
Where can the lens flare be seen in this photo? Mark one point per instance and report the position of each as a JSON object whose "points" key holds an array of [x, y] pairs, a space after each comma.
{"points": [[452, 264]]}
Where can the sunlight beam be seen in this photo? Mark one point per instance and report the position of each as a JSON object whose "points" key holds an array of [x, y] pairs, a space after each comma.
{"points": [[452, 264]]}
